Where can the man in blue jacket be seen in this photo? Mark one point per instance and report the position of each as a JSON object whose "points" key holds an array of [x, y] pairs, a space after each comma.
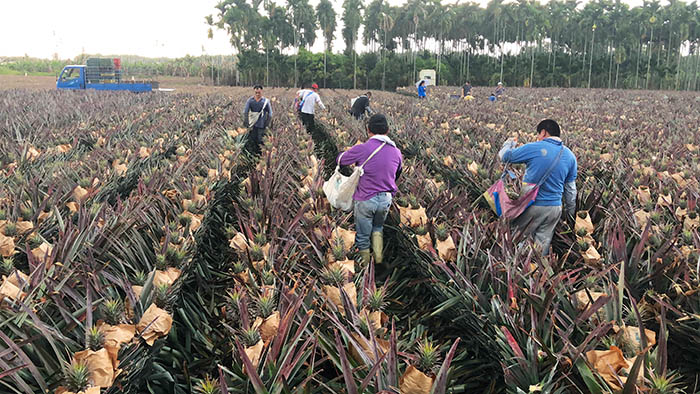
{"points": [[256, 116], [540, 219]]}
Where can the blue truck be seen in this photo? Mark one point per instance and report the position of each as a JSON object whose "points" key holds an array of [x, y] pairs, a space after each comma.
{"points": [[100, 74]]}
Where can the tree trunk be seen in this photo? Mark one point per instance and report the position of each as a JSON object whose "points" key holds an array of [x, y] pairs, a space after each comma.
{"points": [[324, 66], [610, 66], [651, 47], [636, 72], [617, 74], [590, 64], [532, 67], [678, 67]]}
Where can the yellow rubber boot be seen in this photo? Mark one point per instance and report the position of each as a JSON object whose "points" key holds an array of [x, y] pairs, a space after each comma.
{"points": [[364, 257], [378, 246]]}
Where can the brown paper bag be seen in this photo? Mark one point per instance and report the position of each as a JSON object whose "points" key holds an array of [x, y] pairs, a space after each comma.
{"points": [[254, 353], [424, 241], [678, 177], [9, 290], [607, 363], [72, 206], [238, 242], [681, 213], [7, 246], [641, 217], [99, 364], [332, 294], [79, 194], [414, 381], [382, 347], [582, 301], [664, 200], [167, 277], [18, 278], [448, 161], [631, 335], [348, 266], [115, 336], [162, 322], [91, 390], [42, 251], [268, 328], [376, 319], [446, 249], [584, 223], [473, 168], [690, 224], [24, 227], [591, 256], [643, 194]]}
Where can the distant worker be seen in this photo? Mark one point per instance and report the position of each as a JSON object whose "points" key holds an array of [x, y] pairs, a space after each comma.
{"points": [[360, 106], [256, 116], [372, 199], [553, 165], [307, 104], [499, 90], [466, 89], [421, 90]]}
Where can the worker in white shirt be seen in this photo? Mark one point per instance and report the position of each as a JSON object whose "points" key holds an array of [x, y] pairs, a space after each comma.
{"points": [[307, 104]]}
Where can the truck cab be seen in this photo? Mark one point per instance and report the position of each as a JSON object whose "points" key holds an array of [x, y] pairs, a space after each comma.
{"points": [[72, 77]]}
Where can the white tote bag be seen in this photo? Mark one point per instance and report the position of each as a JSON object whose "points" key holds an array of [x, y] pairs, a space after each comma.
{"points": [[340, 188]]}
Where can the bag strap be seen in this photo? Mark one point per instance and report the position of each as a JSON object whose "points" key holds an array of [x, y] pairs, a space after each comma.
{"points": [[301, 103], [551, 167], [373, 153]]}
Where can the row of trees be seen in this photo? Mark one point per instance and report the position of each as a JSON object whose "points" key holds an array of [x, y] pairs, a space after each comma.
{"points": [[603, 43]]}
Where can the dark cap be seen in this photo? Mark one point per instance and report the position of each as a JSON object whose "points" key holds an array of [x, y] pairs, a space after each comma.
{"points": [[378, 124]]}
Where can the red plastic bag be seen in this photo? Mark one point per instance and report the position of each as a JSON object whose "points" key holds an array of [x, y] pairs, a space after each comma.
{"points": [[503, 206]]}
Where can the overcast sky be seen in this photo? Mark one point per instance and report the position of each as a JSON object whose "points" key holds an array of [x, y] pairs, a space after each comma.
{"points": [[152, 28]]}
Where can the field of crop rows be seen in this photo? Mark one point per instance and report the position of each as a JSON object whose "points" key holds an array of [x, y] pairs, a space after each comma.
{"points": [[146, 250]]}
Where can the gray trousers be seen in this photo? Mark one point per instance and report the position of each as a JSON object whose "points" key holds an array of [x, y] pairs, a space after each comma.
{"points": [[539, 222]]}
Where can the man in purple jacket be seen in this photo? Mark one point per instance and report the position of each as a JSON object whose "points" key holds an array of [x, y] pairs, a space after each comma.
{"points": [[376, 187]]}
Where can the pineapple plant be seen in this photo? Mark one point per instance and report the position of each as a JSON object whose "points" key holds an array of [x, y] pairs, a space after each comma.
{"points": [[35, 241], [207, 386], [26, 213], [140, 278], [76, 376], [338, 249], [442, 231], [583, 245], [583, 214], [3, 214], [402, 201], [266, 305], [238, 267], [377, 300], [184, 220], [161, 262], [10, 229], [162, 296], [413, 202], [95, 339], [267, 277], [333, 276], [258, 214], [112, 311], [250, 337], [7, 267], [428, 357], [256, 253], [260, 238], [421, 230], [582, 232]]}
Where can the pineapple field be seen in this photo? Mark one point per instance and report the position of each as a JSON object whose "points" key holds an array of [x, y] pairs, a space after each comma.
{"points": [[146, 249]]}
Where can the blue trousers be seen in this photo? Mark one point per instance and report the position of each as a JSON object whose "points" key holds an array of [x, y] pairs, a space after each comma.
{"points": [[369, 218]]}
